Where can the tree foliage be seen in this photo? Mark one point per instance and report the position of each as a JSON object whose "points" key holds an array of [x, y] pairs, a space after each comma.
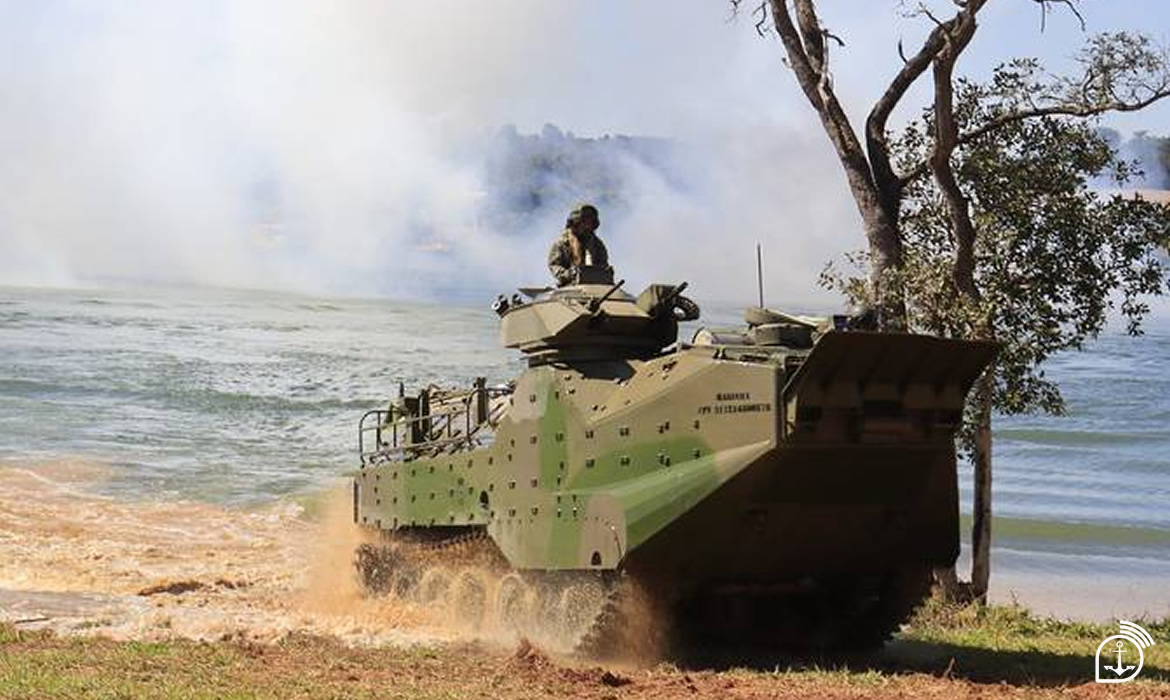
{"points": [[947, 207], [1055, 253], [1118, 72]]}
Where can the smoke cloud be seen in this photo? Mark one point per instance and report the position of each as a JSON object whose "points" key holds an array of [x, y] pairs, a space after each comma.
{"points": [[340, 148]]}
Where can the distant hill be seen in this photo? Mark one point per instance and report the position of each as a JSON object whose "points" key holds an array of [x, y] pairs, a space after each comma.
{"points": [[530, 177], [1162, 196], [1152, 153]]}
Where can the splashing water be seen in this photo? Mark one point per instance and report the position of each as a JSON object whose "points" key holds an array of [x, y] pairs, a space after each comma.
{"points": [[79, 562]]}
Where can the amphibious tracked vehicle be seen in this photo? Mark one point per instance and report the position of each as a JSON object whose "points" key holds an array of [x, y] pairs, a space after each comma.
{"points": [[787, 483]]}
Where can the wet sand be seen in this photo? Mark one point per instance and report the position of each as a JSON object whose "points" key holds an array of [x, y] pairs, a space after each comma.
{"points": [[79, 563], [1098, 598], [1090, 588]]}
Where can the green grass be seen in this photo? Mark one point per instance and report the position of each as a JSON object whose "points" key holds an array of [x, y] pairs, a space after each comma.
{"points": [[946, 650], [1010, 643], [1015, 624], [40, 665]]}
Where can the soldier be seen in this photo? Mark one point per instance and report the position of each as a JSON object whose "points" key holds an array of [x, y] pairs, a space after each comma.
{"points": [[578, 246]]}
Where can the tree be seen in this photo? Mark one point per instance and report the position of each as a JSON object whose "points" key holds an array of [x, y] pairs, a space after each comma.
{"points": [[1119, 72], [1053, 255]]}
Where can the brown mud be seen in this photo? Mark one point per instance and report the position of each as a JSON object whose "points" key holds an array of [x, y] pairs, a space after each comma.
{"points": [[76, 562]]}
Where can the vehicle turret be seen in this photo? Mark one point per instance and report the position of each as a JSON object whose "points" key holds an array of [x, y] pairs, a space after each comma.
{"points": [[593, 320]]}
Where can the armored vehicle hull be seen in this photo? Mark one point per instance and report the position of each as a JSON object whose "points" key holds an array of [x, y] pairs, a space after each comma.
{"points": [[792, 494]]}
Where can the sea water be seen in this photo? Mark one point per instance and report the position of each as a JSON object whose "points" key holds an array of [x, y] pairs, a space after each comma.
{"points": [[243, 398]]}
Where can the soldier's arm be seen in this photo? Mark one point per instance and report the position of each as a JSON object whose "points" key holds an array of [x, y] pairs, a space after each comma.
{"points": [[600, 254], [560, 264]]}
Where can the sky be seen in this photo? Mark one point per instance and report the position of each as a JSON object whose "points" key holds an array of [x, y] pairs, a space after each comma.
{"points": [[301, 145]]}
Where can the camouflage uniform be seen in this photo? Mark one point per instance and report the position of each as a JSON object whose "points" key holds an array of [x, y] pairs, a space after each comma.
{"points": [[570, 252]]}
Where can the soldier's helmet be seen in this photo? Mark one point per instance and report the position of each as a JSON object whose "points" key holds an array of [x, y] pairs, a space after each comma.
{"points": [[582, 212]]}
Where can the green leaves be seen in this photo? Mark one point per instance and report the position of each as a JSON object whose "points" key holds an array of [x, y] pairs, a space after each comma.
{"points": [[1055, 250], [1058, 249]]}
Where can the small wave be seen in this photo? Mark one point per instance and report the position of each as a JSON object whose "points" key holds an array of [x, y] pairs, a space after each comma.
{"points": [[128, 303], [319, 306], [1079, 438], [1078, 532], [215, 400], [282, 327], [67, 320], [299, 400], [20, 387], [12, 317]]}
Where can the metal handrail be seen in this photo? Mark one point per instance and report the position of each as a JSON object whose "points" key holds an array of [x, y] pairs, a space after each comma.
{"points": [[395, 434]]}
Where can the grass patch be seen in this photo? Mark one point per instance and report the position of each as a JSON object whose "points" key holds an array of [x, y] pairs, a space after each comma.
{"points": [[989, 643], [938, 619], [995, 651], [1014, 625]]}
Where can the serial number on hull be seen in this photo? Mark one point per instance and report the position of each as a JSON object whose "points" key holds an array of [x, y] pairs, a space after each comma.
{"points": [[735, 408]]}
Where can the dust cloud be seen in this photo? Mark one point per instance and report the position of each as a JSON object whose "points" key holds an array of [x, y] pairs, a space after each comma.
{"points": [[79, 563], [332, 590]]}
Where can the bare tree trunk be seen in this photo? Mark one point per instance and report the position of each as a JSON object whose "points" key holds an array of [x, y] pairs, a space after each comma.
{"points": [[956, 37], [885, 255], [805, 43], [981, 520]]}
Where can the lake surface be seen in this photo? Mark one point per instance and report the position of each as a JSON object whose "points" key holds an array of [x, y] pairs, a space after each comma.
{"points": [[243, 398]]}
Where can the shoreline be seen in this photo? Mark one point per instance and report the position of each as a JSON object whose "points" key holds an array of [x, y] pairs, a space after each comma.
{"points": [[271, 568], [1103, 598]]}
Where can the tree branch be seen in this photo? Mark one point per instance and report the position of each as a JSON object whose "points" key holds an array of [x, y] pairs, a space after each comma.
{"points": [[798, 59], [812, 36], [812, 75], [1070, 4], [957, 38], [876, 139], [759, 15], [1082, 111], [807, 56]]}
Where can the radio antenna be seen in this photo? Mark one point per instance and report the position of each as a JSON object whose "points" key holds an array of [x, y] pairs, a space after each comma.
{"points": [[760, 273]]}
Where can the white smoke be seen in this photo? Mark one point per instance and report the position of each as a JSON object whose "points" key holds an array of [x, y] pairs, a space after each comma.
{"points": [[339, 147]]}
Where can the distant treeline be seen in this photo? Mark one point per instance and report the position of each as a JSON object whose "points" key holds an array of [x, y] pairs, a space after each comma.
{"points": [[533, 176], [1152, 152]]}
